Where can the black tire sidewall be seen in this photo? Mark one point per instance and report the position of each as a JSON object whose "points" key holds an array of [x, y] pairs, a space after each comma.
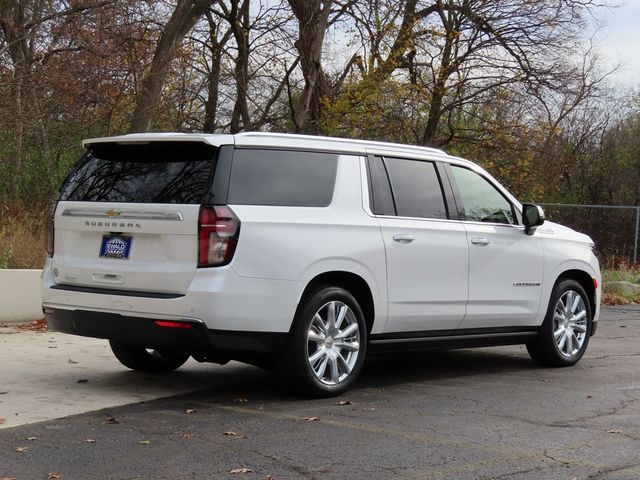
{"points": [[137, 358]]}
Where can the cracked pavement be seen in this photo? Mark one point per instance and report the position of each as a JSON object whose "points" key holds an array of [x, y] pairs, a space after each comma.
{"points": [[467, 414]]}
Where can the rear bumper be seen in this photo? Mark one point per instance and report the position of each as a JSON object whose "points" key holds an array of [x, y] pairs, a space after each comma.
{"points": [[219, 297], [193, 336]]}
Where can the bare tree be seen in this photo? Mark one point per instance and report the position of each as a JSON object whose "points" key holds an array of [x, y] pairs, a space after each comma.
{"points": [[215, 46], [456, 50], [26, 39], [313, 20], [184, 17]]}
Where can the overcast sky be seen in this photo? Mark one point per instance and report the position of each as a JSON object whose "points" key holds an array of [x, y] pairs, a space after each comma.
{"points": [[619, 39]]}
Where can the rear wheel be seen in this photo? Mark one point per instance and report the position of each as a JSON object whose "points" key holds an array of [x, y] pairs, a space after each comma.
{"points": [[564, 336], [327, 345], [144, 359]]}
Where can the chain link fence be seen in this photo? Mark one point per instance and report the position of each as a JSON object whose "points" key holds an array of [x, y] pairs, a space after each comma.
{"points": [[614, 229]]}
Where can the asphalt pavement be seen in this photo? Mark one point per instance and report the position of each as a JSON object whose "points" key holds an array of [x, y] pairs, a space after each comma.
{"points": [[466, 414]]}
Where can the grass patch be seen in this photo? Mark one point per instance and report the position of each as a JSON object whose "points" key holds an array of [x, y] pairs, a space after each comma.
{"points": [[22, 231], [626, 273]]}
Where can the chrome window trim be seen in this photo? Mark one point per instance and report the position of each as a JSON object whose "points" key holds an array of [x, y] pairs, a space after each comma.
{"points": [[449, 220]]}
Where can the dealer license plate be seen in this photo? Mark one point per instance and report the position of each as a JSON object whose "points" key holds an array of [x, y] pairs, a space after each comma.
{"points": [[115, 246]]}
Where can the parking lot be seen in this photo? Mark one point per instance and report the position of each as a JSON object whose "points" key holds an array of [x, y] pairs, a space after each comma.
{"points": [[468, 414]]}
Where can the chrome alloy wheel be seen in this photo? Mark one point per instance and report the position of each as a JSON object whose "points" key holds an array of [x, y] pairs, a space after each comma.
{"points": [[333, 342], [570, 323]]}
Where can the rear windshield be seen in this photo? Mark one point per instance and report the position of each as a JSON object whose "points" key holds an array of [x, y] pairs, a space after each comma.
{"points": [[156, 172]]}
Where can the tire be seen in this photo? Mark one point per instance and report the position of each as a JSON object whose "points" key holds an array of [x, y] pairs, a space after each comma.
{"points": [[327, 344], [143, 359], [565, 332]]}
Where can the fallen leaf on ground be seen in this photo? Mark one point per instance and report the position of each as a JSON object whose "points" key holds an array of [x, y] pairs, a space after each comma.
{"points": [[83, 380], [230, 433], [242, 470], [324, 470], [190, 410], [90, 440], [22, 449], [269, 477], [53, 476], [241, 400], [31, 439], [145, 442], [614, 431], [112, 421], [345, 402], [310, 419], [2, 420], [186, 436], [71, 361], [35, 326]]}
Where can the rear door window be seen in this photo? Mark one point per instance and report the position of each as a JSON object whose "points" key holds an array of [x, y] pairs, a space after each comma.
{"points": [[416, 188], [284, 178], [155, 172], [380, 188]]}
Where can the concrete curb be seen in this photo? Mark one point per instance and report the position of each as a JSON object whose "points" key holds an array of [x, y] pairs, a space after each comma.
{"points": [[20, 297]]}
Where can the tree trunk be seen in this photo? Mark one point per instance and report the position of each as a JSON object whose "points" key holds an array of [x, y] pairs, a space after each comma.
{"points": [[240, 27], [182, 20], [440, 85], [313, 20], [16, 37], [213, 80]]}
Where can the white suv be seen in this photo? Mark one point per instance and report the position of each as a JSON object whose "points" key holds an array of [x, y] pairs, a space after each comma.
{"points": [[304, 253]]}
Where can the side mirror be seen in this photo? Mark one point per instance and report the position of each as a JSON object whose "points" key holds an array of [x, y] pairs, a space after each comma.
{"points": [[532, 217]]}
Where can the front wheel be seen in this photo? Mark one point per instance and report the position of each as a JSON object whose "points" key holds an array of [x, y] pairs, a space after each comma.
{"points": [[327, 343], [144, 359], [565, 332]]}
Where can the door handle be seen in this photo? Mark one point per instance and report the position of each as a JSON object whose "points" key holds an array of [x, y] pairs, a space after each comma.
{"points": [[403, 238], [481, 241]]}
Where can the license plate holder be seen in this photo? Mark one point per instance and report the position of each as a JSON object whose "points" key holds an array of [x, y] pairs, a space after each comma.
{"points": [[115, 246]]}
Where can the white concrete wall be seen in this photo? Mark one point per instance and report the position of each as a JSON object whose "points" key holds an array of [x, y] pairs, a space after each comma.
{"points": [[20, 300]]}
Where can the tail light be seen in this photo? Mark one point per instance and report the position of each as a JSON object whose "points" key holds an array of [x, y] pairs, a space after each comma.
{"points": [[218, 230], [50, 230]]}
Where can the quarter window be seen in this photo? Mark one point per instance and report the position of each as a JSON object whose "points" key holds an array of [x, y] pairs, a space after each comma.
{"points": [[285, 178], [481, 201], [416, 188]]}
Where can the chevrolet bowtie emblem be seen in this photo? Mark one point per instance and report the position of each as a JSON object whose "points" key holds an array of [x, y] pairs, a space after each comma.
{"points": [[112, 213]]}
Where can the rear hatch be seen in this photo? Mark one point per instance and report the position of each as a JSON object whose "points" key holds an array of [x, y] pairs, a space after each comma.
{"points": [[127, 218]]}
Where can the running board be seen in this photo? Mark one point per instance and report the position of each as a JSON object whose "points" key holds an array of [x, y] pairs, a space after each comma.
{"points": [[439, 340]]}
